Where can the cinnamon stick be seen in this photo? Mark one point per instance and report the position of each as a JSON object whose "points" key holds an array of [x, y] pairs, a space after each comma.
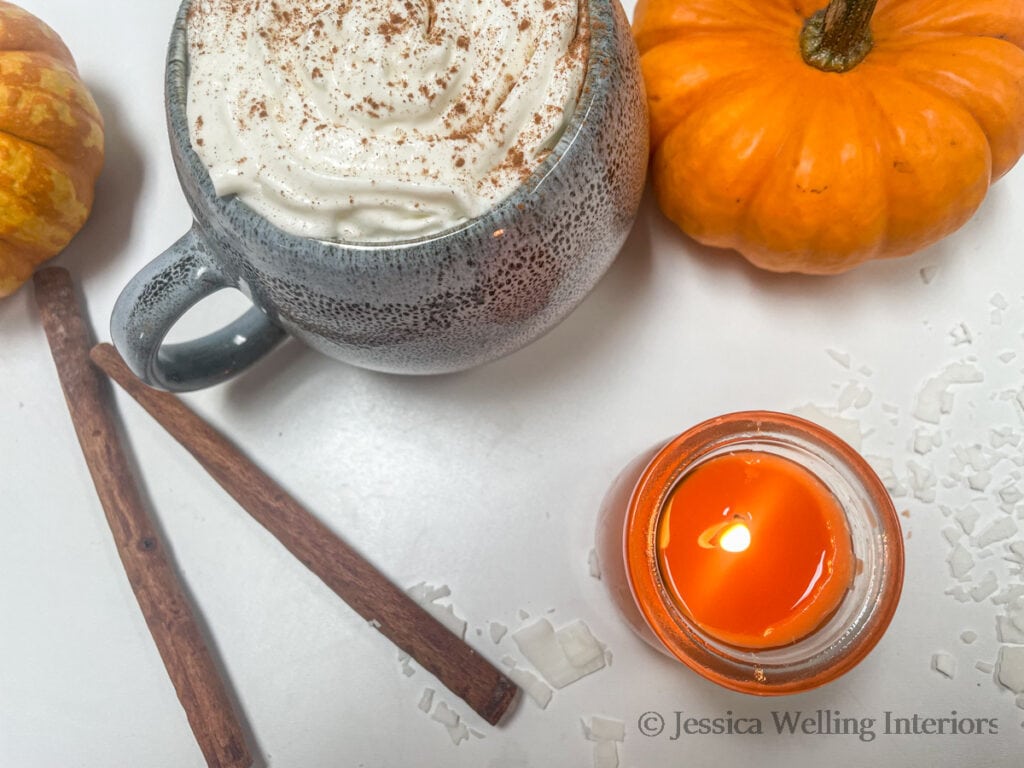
{"points": [[159, 594], [464, 672]]}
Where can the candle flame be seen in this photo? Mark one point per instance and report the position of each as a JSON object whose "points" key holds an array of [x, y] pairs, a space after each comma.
{"points": [[735, 538], [729, 536]]}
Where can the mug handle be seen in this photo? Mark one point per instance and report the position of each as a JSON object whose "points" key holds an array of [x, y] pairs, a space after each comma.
{"points": [[156, 298]]}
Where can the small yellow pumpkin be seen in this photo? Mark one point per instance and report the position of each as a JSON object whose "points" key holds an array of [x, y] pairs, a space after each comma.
{"points": [[51, 146], [811, 139]]}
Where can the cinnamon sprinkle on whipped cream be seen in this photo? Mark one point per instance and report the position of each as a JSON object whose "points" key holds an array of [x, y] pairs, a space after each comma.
{"points": [[377, 120]]}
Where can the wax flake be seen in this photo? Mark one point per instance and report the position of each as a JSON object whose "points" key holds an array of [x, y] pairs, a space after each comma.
{"points": [[979, 480], [427, 596], [952, 535], [561, 657], [407, 668], [884, 468], [967, 517], [606, 754], [961, 334], [863, 399], [531, 685], [459, 732], [603, 729], [968, 636], [1016, 399], [928, 273], [497, 631], [1010, 595], [944, 664], [922, 481], [1015, 552], [1010, 494], [594, 564], [445, 715], [1016, 616], [985, 667], [1007, 631], [985, 588], [891, 408], [1001, 529], [956, 465], [977, 457], [426, 699], [925, 441], [852, 394], [999, 301], [960, 562], [935, 400], [842, 358], [1010, 668], [579, 646], [959, 593], [457, 729], [428, 593]]}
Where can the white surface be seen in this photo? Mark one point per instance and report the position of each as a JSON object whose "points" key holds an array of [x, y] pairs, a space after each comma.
{"points": [[487, 481]]}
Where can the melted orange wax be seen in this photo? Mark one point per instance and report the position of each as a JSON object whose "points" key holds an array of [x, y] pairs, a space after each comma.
{"points": [[755, 549]]}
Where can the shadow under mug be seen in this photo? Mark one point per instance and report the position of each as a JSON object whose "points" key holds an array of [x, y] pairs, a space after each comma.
{"points": [[442, 303]]}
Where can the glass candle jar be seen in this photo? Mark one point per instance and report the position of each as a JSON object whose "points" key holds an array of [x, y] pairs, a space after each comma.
{"points": [[757, 548]]}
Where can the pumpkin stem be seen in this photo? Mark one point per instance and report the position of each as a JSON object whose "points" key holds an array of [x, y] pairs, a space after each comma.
{"points": [[838, 37]]}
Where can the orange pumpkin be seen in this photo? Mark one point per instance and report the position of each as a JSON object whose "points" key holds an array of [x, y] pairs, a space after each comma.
{"points": [[812, 146], [51, 146]]}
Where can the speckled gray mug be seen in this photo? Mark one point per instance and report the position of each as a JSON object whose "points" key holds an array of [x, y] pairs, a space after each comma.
{"points": [[436, 304]]}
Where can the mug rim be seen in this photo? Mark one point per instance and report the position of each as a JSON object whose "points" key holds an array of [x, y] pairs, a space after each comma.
{"points": [[600, 54]]}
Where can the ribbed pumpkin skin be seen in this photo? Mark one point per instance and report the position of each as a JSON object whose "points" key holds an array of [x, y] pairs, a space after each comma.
{"points": [[51, 146], [802, 170]]}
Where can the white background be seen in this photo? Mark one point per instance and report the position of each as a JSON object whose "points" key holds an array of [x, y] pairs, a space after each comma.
{"points": [[486, 481]]}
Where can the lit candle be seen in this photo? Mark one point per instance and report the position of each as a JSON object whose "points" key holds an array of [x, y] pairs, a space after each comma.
{"points": [[754, 549], [757, 548]]}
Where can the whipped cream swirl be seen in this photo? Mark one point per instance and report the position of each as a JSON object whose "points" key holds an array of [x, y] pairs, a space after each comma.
{"points": [[377, 120]]}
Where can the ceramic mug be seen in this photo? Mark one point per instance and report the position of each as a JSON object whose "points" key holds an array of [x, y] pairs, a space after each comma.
{"points": [[436, 304]]}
